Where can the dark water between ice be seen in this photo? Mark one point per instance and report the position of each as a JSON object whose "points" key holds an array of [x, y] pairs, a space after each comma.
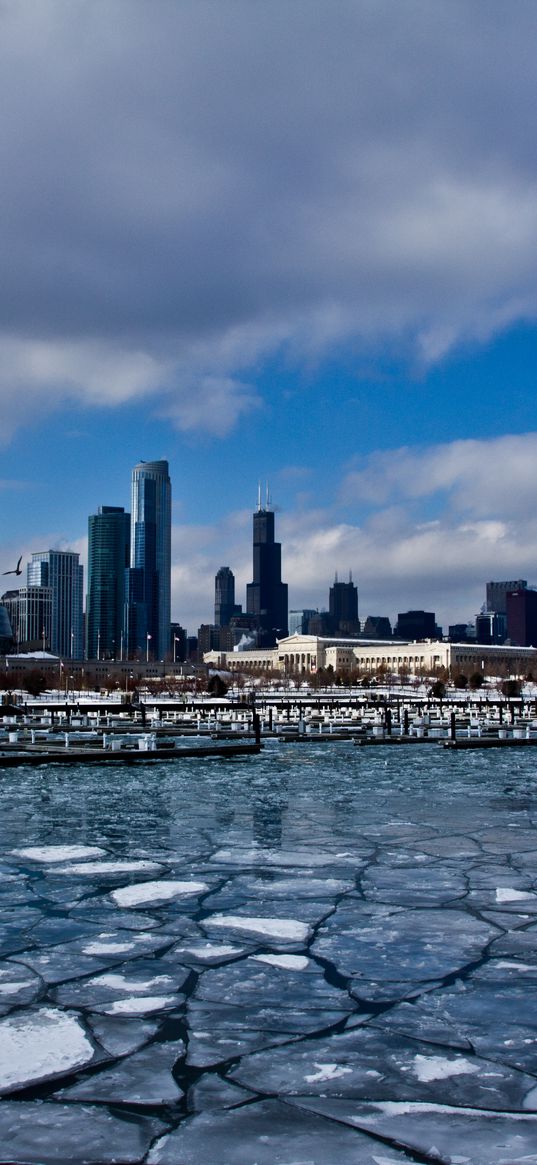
{"points": [[322, 954]]}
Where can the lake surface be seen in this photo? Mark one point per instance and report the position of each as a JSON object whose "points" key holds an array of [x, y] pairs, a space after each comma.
{"points": [[320, 954]]}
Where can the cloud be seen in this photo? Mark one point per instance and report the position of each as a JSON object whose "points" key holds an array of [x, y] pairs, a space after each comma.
{"points": [[191, 188], [483, 478]]}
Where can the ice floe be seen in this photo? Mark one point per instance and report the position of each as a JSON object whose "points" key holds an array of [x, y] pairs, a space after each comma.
{"points": [[38, 1045], [149, 893]]}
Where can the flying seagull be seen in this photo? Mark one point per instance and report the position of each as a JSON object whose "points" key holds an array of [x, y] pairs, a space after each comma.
{"points": [[17, 569]]}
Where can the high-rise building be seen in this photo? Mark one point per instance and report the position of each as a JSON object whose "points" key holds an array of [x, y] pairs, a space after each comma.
{"points": [[266, 596], [416, 625], [522, 617], [61, 571], [343, 607], [108, 556], [30, 615], [224, 597], [149, 577], [497, 594]]}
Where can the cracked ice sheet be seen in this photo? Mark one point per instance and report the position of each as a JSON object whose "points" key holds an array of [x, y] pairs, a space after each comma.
{"points": [[266, 1133], [143, 1078], [408, 945], [39, 1045], [18, 986], [87, 956], [467, 1136], [268, 983], [139, 978], [372, 1064], [38, 1133], [496, 1017], [417, 887], [219, 1032]]}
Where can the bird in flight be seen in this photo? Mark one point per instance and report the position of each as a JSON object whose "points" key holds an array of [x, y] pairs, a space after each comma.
{"points": [[17, 568]]}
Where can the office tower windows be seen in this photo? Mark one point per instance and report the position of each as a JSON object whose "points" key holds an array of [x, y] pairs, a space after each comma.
{"points": [[61, 571], [108, 556], [266, 596], [224, 597], [149, 577]]}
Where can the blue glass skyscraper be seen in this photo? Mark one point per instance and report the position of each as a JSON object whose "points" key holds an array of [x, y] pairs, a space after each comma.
{"points": [[149, 577], [108, 555]]}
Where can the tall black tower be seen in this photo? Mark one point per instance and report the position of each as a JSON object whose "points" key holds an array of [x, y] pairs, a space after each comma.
{"points": [[343, 606], [266, 596]]}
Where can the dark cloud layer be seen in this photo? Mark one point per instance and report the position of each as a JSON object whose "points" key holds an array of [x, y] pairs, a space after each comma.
{"points": [[192, 184]]}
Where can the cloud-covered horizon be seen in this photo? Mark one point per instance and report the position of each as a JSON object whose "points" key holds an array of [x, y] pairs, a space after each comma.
{"points": [[190, 189]]}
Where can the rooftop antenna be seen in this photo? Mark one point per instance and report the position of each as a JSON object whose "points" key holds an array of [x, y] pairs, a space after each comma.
{"points": [[267, 494], [258, 496], [350, 576], [335, 578]]}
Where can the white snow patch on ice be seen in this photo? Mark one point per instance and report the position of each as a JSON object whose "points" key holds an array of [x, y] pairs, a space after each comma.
{"points": [[121, 983], [409, 1107], [326, 1072], [111, 867], [12, 988], [508, 894], [506, 965], [108, 948], [37, 1045], [285, 929], [141, 1006], [212, 950], [147, 892], [59, 853], [428, 1068], [286, 962]]}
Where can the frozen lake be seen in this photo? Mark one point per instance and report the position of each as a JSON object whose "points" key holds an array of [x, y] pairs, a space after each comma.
{"points": [[320, 955]]}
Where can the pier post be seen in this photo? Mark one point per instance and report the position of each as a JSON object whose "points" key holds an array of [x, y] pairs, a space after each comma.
{"points": [[405, 722], [256, 725], [452, 727]]}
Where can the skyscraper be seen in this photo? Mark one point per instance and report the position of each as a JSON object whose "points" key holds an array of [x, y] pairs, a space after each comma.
{"points": [[343, 607], [149, 576], [61, 571], [224, 597], [108, 556], [266, 596]]}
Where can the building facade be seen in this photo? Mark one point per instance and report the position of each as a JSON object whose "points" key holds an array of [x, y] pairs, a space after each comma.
{"points": [[522, 617], [148, 585], [30, 615], [62, 572], [303, 655], [108, 558]]}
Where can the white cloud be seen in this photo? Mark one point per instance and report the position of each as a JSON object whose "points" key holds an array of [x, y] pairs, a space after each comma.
{"points": [[483, 478]]}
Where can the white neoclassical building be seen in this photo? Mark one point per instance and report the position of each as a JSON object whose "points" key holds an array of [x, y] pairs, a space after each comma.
{"points": [[306, 654]]}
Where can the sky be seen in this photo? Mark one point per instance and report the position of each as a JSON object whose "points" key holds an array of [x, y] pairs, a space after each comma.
{"points": [[287, 241]]}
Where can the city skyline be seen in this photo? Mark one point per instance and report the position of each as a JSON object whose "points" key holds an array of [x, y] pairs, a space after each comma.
{"points": [[325, 281]]}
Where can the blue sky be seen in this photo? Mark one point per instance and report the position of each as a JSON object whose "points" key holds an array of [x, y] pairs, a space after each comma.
{"points": [[292, 241]]}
